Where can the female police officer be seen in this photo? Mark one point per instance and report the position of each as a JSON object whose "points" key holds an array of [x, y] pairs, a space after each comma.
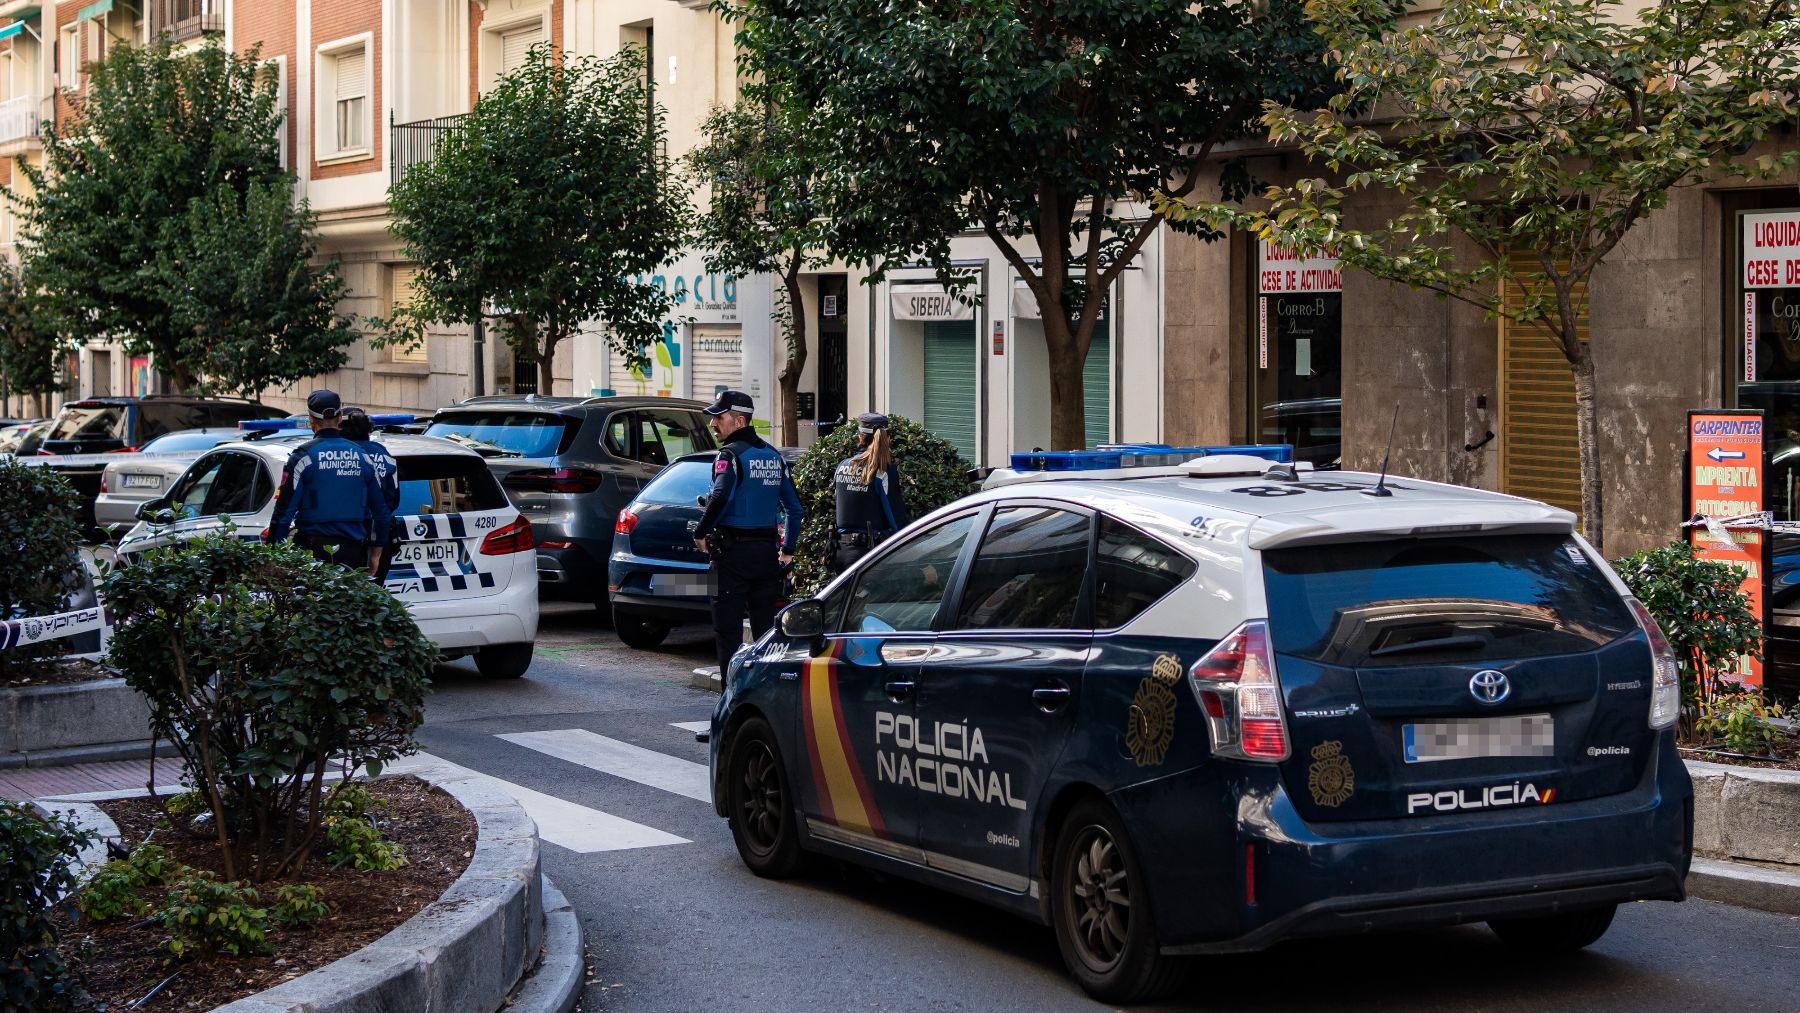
{"points": [[870, 504]]}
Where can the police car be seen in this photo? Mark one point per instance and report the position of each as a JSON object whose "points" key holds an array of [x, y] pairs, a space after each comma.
{"points": [[1207, 707], [465, 566]]}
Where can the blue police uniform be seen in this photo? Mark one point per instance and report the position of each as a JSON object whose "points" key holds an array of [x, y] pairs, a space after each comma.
{"points": [[332, 499], [751, 493], [387, 472]]}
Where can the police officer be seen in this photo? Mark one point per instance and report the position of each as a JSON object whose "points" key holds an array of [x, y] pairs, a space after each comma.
{"points": [[357, 428], [870, 504], [751, 491], [329, 494]]}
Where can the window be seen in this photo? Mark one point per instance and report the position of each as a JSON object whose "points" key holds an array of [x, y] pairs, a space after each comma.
{"points": [[618, 433], [189, 497], [506, 434], [351, 100], [681, 484], [1029, 572], [1133, 572], [403, 280], [273, 74], [515, 46], [666, 436], [901, 591], [68, 57], [344, 126], [241, 487], [447, 484]]}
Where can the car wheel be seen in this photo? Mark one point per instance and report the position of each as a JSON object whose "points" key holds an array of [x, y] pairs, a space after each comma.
{"points": [[759, 806], [503, 661], [1559, 933], [1100, 908], [639, 632]]}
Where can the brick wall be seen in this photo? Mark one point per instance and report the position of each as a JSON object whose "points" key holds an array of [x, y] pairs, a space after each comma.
{"points": [[338, 19], [271, 24]]}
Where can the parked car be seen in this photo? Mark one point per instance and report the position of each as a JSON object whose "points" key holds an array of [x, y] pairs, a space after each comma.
{"points": [[1313, 427], [571, 464], [464, 566], [13, 433], [31, 444], [137, 478]]}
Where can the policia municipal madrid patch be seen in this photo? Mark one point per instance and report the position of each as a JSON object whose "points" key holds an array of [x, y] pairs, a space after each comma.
{"points": [[1330, 778], [1150, 726]]}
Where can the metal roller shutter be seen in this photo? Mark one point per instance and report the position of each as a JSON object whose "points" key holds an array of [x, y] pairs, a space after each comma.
{"points": [[516, 45], [622, 381], [1096, 383], [950, 384], [717, 355], [1538, 439]]}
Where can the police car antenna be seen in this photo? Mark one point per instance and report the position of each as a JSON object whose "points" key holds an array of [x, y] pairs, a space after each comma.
{"points": [[1381, 488]]}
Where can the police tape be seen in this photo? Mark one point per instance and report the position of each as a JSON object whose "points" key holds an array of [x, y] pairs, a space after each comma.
{"points": [[36, 630]]}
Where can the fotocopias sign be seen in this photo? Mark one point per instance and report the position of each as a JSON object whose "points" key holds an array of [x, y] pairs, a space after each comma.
{"points": [[1725, 480]]}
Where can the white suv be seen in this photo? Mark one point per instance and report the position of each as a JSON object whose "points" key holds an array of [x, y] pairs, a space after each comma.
{"points": [[465, 566]]}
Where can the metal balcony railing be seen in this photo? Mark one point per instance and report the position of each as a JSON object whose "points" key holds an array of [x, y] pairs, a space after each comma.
{"points": [[18, 118], [415, 142], [189, 19]]}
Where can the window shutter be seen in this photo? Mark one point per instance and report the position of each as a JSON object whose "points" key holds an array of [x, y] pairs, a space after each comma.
{"points": [[352, 74], [1537, 402], [516, 45]]}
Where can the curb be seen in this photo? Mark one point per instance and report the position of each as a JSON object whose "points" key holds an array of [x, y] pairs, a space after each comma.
{"points": [[1740, 885], [555, 984], [104, 753], [705, 678], [103, 713]]}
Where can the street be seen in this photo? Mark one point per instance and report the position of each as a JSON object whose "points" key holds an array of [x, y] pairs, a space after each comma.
{"points": [[675, 922]]}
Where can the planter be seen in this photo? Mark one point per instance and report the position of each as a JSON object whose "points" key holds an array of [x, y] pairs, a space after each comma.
{"points": [[1746, 813], [81, 716]]}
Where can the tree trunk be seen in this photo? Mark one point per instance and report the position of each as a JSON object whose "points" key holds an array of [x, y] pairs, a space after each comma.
{"points": [[547, 362], [181, 378], [796, 358], [1068, 415], [1587, 435]]}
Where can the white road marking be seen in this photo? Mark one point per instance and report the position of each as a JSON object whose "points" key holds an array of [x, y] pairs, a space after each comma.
{"points": [[562, 823], [620, 759], [692, 726]]}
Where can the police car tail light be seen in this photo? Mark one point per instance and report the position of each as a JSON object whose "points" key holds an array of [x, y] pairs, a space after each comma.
{"points": [[627, 522], [1240, 695], [1665, 681], [515, 537]]}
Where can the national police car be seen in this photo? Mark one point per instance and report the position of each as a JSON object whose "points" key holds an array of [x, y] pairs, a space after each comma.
{"points": [[465, 567], [1204, 708]]}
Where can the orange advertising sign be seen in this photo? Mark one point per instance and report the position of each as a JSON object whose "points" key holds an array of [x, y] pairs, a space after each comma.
{"points": [[1725, 479]]}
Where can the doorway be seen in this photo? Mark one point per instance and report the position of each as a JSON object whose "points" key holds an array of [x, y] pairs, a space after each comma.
{"points": [[834, 353]]}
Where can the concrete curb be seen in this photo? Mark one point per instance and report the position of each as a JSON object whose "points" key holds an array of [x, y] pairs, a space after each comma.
{"points": [[705, 678], [555, 984], [1741, 885], [105, 753], [38, 719], [1747, 813]]}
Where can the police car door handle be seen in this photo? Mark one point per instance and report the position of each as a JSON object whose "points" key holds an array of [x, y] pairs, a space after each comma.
{"points": [[1050, 698], [899, 689]]}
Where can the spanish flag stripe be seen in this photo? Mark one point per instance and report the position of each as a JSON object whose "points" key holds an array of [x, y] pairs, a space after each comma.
{"points": [[842, 801], [872, 814], [815, 670]]}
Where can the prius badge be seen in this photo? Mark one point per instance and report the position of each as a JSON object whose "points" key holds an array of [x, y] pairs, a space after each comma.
{"points": [[1490, 686]]}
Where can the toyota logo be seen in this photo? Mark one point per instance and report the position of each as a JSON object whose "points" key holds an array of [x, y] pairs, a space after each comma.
{"points": [[1490, 686]]}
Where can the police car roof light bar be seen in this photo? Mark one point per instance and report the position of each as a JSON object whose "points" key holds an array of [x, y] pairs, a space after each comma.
{"points": [[1113, 456]]}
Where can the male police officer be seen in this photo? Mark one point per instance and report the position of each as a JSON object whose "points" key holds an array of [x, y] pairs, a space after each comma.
{"points": [[751, 491], [330, 495]]}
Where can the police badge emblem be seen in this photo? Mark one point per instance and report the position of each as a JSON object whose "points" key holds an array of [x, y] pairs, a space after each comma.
{"points": [[1150, 724], [1330, 778]]}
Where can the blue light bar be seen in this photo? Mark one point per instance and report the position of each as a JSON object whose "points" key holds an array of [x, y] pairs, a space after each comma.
{"points": [[1142, 455]]}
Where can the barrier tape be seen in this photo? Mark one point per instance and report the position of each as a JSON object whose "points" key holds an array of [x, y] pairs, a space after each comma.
{"points": [[36, 630]]}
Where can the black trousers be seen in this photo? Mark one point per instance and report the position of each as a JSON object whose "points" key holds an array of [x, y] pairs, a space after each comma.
{"points": [[335, 550], [749, 582]]}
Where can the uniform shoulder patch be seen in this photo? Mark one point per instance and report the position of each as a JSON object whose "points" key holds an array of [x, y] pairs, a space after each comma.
{"points": [[722, 465]]}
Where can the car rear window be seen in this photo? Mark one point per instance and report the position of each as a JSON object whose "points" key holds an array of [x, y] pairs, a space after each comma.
{"points": [[508, 434], [447, 484], [155, 419], [95, 422], [190, 441], [681, 482], [1416, 601]]}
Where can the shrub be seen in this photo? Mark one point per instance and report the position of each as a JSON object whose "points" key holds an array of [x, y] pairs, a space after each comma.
{"points": [[1739, 719], [40, 520], [299, 906], [115, 889], [355, 839], [205, 916], [37, 868], [1706, 620], [931, 472], [266, 668]]}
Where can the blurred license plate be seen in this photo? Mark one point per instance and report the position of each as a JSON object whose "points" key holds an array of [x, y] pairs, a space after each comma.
{"points": [[429, 552], [680, 584], [1470, 738], [143, 481]]}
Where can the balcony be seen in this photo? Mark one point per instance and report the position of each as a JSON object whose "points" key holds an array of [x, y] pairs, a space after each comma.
{"points": [[18, 118], [417, 142], [188, 19]]}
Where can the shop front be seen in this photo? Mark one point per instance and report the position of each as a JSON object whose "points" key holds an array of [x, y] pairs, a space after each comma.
{"points": [[1297, 373]]}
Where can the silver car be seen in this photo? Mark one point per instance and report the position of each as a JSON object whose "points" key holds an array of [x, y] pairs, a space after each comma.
{"points": [[135, 479]]}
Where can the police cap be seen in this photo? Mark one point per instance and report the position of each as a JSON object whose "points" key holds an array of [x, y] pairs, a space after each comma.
{"points": [[731, 401], [323, 404], [868, 422]]}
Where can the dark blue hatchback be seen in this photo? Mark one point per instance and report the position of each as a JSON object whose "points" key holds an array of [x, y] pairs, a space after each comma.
{"points": [[1202, 709], [655, 577]]}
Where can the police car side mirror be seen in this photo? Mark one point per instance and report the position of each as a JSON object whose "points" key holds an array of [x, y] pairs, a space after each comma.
{"points": [[156, 511], [803, 620]]}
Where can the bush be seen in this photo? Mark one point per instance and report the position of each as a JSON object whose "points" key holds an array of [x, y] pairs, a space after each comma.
{"points": [[37, 866], [266, 668], [931, 472], [115, 889], [205, 916], [1739, 720], [1705, 618], [40, 517], [299, 906], [355, 838]]}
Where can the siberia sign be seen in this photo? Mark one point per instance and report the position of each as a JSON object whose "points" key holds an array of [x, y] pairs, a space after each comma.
{"points": [[1725, 480]]}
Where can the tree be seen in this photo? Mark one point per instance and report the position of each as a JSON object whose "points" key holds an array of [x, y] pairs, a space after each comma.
{"points": [[543, 209], [1548, 126], [30, 354], [763, 169], [117, 247], [1022, 120]]}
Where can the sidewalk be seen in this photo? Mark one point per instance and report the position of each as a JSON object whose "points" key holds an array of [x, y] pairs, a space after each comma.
{"points": [[22, 784]]}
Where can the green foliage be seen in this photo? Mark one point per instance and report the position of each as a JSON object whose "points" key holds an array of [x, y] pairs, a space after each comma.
{"points": [[1530, 138], [186, 803], [266, 668], [548, 205], [1030, 122], [355, 839], [299, 906], [153, 222], [931, 472], [31, 354], [205, 916], [37, 870], [1707, 621], [1739, 719], [112, 892], [39, 528]]}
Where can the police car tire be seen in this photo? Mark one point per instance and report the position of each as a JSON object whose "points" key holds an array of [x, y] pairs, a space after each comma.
{"points": [[503, 661], [639, 632], [1558, 933], [779, 857], [1139, 972]]}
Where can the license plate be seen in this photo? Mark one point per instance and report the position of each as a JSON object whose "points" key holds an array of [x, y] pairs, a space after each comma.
{"points": [[428, 552], [1472, 738], [143, 481], [680, 584]]}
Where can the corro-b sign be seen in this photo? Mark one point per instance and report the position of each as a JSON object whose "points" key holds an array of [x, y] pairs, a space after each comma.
{"points": [[1725, 479]]}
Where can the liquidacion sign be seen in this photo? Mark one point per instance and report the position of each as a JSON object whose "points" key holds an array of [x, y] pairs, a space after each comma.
{"points": [[1772, 250]]}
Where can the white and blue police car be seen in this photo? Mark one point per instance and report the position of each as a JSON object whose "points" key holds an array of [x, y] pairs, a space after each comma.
{"points": [[1207, 706], [465, 566]]}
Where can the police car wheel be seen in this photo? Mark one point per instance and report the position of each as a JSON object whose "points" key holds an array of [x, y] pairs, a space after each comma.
{"points": [[759, 805], [639, 632], [1558, 933], [1100, 913], [503, 661]]}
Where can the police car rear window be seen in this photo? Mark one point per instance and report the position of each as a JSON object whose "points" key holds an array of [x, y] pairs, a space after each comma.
{"points": [[447, 484], [1439, 600]]}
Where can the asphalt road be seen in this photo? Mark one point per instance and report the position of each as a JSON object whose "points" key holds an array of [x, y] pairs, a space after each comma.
{"points": [[675, 922]]}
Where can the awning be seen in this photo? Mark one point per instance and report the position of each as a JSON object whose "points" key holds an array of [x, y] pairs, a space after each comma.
{"points": [[94, 10], [1024, 304], [16, 28], [927, 302]]}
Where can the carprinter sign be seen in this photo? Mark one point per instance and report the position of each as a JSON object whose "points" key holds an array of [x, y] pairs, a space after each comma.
{"points": [[1725, 479]]}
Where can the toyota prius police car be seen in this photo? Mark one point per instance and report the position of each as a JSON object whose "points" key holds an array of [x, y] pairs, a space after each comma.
{"points": [[464, 568], [1208, 706]]}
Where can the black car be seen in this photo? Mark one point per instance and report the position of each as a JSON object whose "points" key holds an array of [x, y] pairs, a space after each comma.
{"points": [[656, 577], [1313, 427]]}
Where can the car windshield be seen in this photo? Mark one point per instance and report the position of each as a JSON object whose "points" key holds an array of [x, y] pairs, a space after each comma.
{"points": [[89, 422], [1433, 600], [681, 482], [446, 484], [505, 434], [193, 440]]}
